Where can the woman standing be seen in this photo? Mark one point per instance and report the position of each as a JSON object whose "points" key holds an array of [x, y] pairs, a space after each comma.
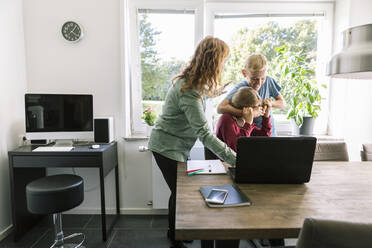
{"points": [[183, 118]]}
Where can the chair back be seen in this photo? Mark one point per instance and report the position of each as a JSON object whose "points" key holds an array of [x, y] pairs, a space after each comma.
{"points": [[331, 151], [334, 234], [366, 153]]}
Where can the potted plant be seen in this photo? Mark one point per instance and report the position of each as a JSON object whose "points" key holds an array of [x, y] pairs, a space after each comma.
{"points": [[299, 88], [149, 116]]}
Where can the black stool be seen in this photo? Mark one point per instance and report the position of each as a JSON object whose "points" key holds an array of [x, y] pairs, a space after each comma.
{"points": [[53, 195]]}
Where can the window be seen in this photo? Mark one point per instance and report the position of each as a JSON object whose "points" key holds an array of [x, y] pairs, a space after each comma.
{"points": [[166, 43], [163, 36], [164, 39], [260, 28]]}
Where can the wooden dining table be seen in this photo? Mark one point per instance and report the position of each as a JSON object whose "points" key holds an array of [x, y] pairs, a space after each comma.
{"points": [[336, 191]]}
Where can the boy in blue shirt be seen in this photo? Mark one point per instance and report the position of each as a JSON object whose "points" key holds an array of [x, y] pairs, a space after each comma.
{"points": [[254, 73]]}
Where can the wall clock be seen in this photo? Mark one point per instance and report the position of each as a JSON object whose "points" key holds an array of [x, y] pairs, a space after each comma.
{"points": [[72, 31]]}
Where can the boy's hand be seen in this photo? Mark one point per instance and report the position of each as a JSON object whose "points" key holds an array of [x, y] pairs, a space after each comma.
{"points": [[248, 114], [267, 107]]}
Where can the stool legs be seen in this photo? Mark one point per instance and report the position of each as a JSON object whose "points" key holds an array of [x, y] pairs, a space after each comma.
{"points": [[57, 221], [59, 237]]}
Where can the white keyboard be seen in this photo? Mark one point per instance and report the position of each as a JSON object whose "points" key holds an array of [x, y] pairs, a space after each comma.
{"points": [[53, 149]]}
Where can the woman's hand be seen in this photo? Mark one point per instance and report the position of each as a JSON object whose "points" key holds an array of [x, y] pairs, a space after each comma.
{"points": [[267, 107], [221, 90]]}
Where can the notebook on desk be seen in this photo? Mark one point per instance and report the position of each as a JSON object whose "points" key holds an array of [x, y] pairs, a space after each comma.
{"points": [[286, 160], [208, 167]]}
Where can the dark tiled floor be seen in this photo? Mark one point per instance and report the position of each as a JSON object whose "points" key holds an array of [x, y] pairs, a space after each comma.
{"points": [[130, 231]]}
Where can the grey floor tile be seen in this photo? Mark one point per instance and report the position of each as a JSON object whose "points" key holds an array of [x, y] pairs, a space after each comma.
{"points": [[159, 221], [96, 221], [93, 238], [124, 222], [140, 238], [27, 240], [134, 221]]}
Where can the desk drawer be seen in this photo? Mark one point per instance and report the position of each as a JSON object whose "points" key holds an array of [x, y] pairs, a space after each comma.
{"points": [[56, 161]]}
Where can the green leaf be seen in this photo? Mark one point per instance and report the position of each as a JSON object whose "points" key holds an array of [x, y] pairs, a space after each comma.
{"points": [[286, 70], [291, 113], [298, 120]]}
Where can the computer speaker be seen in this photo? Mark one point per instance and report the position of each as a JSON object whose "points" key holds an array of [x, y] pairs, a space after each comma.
{"points": [[103, 129]]}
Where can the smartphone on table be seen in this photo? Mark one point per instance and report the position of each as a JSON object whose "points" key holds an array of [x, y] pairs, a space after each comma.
{"points": [[217, 196]]}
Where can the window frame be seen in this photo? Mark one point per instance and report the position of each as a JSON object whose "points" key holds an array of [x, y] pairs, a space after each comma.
{"points": [[325, 36], [204, 25], [137, 127]]}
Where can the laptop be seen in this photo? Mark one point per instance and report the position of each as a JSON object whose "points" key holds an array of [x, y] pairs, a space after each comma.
{"points": [[281, 160]]}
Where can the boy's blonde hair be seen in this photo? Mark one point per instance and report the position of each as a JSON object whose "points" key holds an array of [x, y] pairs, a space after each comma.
{"points": [[255, 62], [203, 72], [245, 97]]}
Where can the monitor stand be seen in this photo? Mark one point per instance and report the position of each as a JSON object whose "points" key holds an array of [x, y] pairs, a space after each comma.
{"points": [[41, 142], [64, 142]]}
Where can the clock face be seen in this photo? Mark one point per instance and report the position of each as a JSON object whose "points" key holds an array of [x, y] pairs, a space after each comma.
{"points": [[71, 31]]}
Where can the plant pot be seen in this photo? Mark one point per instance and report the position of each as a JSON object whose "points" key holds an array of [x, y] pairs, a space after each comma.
{"points": [[149, 130], [307, 127]]}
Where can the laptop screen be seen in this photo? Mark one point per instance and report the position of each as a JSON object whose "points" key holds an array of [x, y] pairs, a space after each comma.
{"points": [[274, 159]]}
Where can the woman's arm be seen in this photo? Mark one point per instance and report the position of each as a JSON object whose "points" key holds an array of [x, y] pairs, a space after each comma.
{"points": [[191, 104]]}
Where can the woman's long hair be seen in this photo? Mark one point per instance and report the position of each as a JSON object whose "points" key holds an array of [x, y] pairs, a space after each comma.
{"points": [[204, 70]]}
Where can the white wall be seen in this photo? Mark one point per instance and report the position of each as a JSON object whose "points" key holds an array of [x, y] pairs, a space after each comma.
{"points": [[12, 89], [89, 66], [351, 117]]}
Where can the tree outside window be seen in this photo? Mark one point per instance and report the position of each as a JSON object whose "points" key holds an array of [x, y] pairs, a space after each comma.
{"points": [[157, 71]]}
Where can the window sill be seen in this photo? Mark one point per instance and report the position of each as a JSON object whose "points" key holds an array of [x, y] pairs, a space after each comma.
{"points": [[319, 137], [325, 137]]}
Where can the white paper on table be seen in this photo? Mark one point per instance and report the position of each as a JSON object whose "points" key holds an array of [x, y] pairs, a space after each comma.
{"points": [[209, 166]]}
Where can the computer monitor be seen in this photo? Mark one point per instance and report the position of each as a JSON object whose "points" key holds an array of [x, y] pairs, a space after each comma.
{"points": [[57, 116]]}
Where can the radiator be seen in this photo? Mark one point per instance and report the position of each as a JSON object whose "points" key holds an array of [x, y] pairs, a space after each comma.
{"points": [[160, 189]]}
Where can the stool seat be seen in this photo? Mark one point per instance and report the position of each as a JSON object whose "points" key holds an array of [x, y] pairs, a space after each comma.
{"points": [[54, 194]]}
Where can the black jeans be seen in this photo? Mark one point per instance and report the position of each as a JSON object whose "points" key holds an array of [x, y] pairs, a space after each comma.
{"points": [[168, 168]]}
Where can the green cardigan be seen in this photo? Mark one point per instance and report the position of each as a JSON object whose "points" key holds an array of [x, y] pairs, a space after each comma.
{"points": [[181, 123]]}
